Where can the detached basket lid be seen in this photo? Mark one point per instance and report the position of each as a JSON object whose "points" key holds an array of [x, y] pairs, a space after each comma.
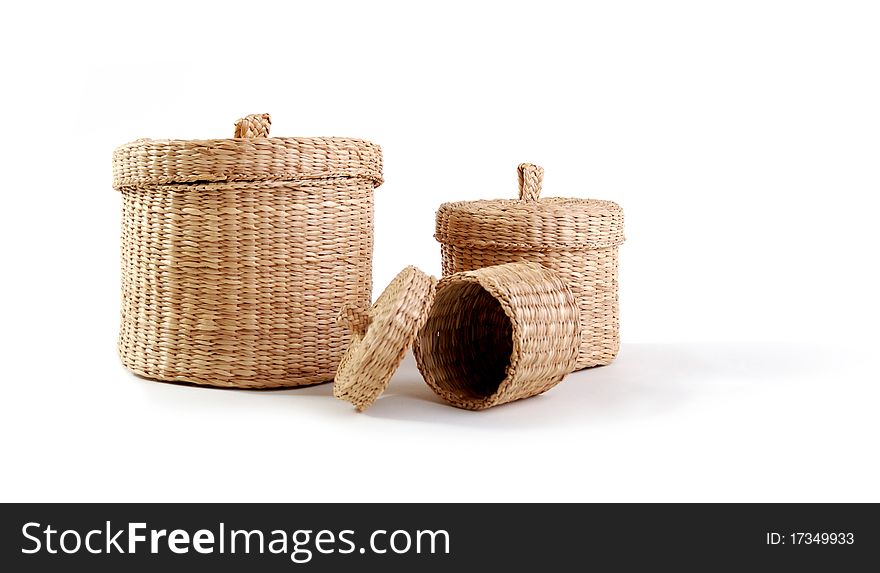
{"points": [[381, 335], [531, 222], [250, 156]]}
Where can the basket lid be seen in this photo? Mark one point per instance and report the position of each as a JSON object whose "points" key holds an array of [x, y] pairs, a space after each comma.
{"points": [[531, 222], [250, 156], [381, 335]]}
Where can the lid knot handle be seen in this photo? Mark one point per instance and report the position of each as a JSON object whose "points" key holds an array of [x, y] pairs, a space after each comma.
{"points": [[254, 125], [357, 320], [530, 179]]}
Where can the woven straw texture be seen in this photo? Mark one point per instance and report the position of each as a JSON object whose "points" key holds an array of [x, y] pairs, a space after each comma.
{"points": [[237, 254], [498, 334], [381, 336], [577, 238]]}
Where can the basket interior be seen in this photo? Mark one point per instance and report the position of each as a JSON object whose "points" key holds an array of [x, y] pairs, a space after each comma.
{"points": [[467, 343]]}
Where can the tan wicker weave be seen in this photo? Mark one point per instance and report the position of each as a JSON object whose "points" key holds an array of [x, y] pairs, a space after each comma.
{"points": [[499, 334], [578, 238], [237, 254], [381, 336]]}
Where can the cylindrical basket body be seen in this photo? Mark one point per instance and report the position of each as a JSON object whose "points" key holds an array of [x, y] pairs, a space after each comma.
{"points": [[577, 238], [498, 334], [237, 255]]}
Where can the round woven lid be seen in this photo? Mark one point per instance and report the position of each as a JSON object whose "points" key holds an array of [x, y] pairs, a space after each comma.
{"points": [[531, 222], [250, 156], [381, 335]]}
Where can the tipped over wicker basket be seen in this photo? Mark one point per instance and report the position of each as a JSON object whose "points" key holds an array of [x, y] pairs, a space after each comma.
{"points": [[578, 238], [237, 254], [498, 334]]}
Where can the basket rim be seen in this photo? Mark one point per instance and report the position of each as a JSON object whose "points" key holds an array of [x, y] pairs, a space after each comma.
{"points": [[587, 205], [506, 303], [515, 224], [149, 162]]}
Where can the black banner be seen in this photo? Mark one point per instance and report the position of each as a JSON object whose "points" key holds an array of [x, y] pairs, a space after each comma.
{"points": [[401, 537]]}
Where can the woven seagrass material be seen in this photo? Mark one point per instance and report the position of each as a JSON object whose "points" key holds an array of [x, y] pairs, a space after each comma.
{"points": [[237, 254], [577, 238], [499, 334], [381, 336]]}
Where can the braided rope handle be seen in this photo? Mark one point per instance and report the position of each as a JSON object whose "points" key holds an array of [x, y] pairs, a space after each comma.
{"points": [[254, 125], [530, 179], [357, 320]]}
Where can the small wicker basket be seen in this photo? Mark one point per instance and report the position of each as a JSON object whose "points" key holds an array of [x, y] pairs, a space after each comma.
{"points": [[237, 254], [498, 334], [577, 238]]}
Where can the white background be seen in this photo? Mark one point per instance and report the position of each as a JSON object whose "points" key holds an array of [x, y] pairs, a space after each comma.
{"points": [[741, 138]]}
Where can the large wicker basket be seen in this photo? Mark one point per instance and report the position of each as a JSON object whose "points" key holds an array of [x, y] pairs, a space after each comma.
{"points": [[237, 254], [577, 238]]}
